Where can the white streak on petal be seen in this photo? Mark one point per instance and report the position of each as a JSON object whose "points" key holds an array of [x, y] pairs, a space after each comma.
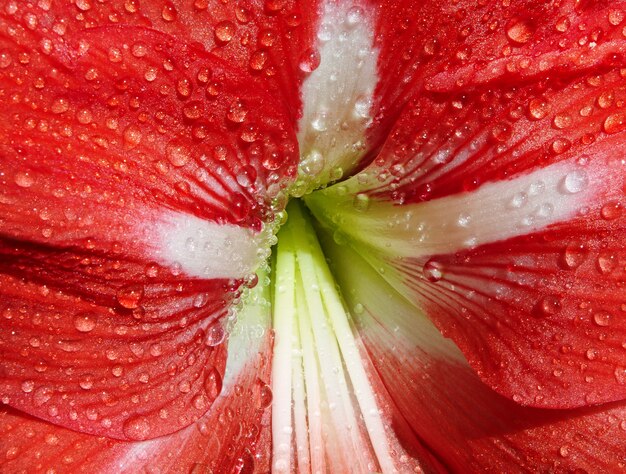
{"points": [[494, 212], [204, 249], [337, 96]]}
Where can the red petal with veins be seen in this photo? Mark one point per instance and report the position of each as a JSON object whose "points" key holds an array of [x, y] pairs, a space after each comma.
{"points": [[468, 426], [232, 437], [503, 215], [449, 47], [115, 142]]}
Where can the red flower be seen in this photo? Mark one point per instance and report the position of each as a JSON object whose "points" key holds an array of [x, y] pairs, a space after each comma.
{"points": [[454, 162]]}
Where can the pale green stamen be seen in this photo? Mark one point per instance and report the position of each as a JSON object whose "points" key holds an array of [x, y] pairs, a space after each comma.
{"points": [[328, 369]]}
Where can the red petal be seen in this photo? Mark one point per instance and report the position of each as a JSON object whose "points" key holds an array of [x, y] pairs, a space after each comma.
{"points": [[455, 46], [521, 252], [469, 427], [106, 132], [232, 437]]}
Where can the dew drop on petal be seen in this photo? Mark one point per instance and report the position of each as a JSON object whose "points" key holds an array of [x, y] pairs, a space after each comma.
{"points": [[606, 263], [24, 179], [265, 395], [28, 386], [177, 153], [549, 305], [620, 376], [573, 256], [85, 322], [432, 271], [538, 108], [519, 32], [169, 12], [615, 123], [611, 210], [215, 334], [602, 318], [213, 383], [309, 60], [575, 182], [137, 428], [130, 296], [59, 105], [224, 31]]}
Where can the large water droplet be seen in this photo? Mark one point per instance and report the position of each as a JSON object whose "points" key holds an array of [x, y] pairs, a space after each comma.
{"points": [[137, 428], [130, 296], [309, 60], [575, 182], [615, 123], [85, 322], [224, 31], [432, 271], [519, 32], [602, 318], [573, 256]]}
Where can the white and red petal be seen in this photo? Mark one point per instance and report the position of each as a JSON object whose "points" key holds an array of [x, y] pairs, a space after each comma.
{"points": [[501, 213], [337, 99], [332, 412], [465, 424], [232, 437], [129, 156]]}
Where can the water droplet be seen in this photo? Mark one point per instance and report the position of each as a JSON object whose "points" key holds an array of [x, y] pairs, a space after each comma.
{"points": [[313, 163], [60, 105], [354, 16], [575, 182], [538, 108], [615, 123], [85, 322], [611, 210], [5, 59], [28, 386], [42, 396], [258, 60], [132, 135], [83, 5], [602, 318], [213, 384], [151, 74], [24, 179], [361, 202], [432, 271], [237, 112], [86, 382], [620, 376], [137, 428], [131, 6], [518, 201], [184, 87], [562, 121], [309, 60], [224, 31], [177, 153], [573, 256], [130, 296], [169, 12], [519, 32], [549, 305], [265, 395], [215, 334], [606, 263]]}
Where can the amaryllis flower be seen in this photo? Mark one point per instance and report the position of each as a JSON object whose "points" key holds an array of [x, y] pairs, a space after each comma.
{"points": [[323, 236]]}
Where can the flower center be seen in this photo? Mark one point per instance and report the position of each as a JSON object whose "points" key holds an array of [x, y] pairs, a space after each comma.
{"points": [[325, 407]]}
